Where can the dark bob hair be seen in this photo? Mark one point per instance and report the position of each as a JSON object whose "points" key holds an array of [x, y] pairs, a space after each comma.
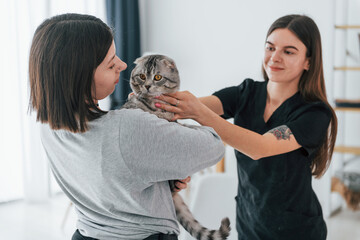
{"points": [[65, 51]]}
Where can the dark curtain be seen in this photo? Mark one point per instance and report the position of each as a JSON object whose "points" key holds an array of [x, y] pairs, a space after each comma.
{"points": [[123, 17]]}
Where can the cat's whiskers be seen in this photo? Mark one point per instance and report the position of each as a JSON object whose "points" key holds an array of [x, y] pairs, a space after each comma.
{"points": [[125, 79]]}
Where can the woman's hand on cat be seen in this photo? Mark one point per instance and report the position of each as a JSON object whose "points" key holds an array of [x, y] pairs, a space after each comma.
{"points": [[181, 184], [130, 94], [184, 104]]}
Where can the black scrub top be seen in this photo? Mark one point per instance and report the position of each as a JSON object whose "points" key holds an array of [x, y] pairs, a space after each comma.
{"points": [[275, 199]]}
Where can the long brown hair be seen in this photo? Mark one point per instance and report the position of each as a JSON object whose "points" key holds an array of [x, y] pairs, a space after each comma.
{"points": [[312, 83], [65, 51]]}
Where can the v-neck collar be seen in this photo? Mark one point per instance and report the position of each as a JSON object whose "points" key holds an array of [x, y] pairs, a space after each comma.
{"points": [[281, 106]]}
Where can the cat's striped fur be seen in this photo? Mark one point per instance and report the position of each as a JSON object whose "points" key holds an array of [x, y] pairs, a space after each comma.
{"points": [[152, 76], [192, 226]]}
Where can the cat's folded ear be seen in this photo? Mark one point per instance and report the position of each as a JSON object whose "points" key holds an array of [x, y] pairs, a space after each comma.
{"points": [[139, 60], [169, 63]]}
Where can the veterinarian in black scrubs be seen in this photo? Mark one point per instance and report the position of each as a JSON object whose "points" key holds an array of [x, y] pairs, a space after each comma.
{"points": [[283, 133]]}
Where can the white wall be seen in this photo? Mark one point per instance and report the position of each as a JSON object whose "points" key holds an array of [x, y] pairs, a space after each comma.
{"points": [[219, 43]]}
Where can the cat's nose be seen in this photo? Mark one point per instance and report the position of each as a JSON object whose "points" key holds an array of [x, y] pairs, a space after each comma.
{"points": [[147, 87]]}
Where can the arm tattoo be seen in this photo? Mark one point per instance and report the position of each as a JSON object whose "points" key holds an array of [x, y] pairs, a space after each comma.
{"points": [[281, 132]]}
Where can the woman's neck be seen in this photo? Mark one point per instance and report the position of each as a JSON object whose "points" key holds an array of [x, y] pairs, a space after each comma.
{"points": [[277, 92]]}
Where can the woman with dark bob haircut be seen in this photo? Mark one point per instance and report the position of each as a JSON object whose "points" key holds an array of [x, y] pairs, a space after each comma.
{"points": [[284, 132], [114, 166]]}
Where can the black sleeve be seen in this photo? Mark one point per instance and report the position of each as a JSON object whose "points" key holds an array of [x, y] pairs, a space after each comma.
{"points": [[311, 126], [234, 99]]}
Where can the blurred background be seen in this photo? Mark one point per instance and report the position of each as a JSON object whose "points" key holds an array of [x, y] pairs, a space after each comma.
{"points": [[215, 44]]}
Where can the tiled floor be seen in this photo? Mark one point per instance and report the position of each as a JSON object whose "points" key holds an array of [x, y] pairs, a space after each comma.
{"points": [[23, 221]]}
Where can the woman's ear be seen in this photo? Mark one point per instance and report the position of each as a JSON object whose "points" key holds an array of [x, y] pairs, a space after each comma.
{"points": [[307, 64]]}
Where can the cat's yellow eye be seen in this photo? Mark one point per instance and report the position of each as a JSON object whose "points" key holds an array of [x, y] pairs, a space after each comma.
{"points": [[157, 77], [142, 76]]}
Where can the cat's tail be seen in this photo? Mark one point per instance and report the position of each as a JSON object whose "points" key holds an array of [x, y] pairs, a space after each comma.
{"points": [[192, 226]]}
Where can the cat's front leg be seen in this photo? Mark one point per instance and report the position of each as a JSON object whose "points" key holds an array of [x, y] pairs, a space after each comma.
{"points": [[165, 115]]}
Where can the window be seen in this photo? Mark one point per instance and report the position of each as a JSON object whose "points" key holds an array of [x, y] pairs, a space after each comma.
{"points": [[23, 168]]}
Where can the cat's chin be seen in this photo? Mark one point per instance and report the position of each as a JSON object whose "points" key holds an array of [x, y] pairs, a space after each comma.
{"points": [[158, 94], [147, 95]]}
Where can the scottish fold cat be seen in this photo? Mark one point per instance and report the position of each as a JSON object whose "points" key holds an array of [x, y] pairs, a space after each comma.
{"points": [[152, 76]]}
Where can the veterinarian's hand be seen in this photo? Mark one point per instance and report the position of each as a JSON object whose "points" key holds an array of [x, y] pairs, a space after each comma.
{"points": [[130, 94], [181, 184], [184, 104]]}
